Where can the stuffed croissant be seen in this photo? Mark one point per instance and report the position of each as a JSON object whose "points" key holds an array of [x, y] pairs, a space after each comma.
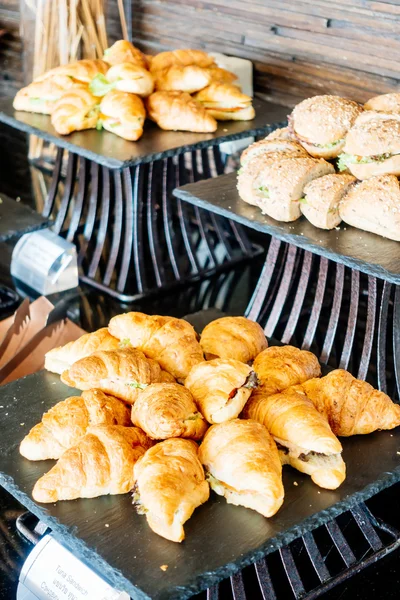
{"points": [[221, 388], [101, 463], [177, 111], [68, 421], [304, 438], [171, 342], [165, 410], [242, 464], [123, 114], [233, 337], [352, 406], [169, 486], [121, 373], [76, 110], [123, 51]]}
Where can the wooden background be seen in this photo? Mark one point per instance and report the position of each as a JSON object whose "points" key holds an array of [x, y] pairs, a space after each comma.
{"points": [[298, 47]]}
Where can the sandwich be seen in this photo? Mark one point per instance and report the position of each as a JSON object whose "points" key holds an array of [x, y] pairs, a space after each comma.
{"points": [[282, 133], [225, 102], [374, 205], [80, 71], [76, 110], [322, 197], [372, 147], [177, 111], [182, 58], [188, 79], [41, 96], [123, 114], [321, 123], [219, 75], [386, 103], [122, 52], [267, 146], [124, 77]]}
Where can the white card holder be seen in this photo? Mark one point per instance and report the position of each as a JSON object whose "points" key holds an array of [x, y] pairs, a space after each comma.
{"points": [[53, 572]]}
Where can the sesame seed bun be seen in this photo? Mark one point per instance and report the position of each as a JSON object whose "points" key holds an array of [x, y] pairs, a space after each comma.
{"points": [[282, 133], [322, 197], [387, 103], [326, 153], [267, 146], [374, 205], [390, 166], [323, 120]]}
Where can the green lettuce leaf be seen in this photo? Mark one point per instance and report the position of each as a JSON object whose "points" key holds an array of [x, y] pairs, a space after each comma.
{"points": [[264, 190], [99, 125], [139, 386], [100, 86], [302, 201]]}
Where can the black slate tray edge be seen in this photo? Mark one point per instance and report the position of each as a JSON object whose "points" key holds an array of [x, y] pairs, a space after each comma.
{"points": [[65, 535], [16, 231], [276, 231]]}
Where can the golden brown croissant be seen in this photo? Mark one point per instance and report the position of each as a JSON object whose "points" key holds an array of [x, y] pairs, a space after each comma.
{"points": [[81, 71], [122, 114], [219, 75], [59, 359], [233, 337], [121, 373], [123, 52], [280, 367], [183, 58], [41, 96], [225, 102], [304, 438], [101, 463], [171, 342], [182, 79], [169, 486], [352, 406], [177, 111], [67, 422], [242, 463], [76, 110], [166, 410], [124, 77], [221, 388]]}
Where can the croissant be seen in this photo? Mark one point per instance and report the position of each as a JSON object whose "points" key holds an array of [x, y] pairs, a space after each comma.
{"points": [[169, 486], [41, 96], [225, 102], [166, 410], [67, 422], [121, 373], [171, 342], [304, 438], [352, 406], [242, 463], [233, 337], [280, 367], [183, 58], [219, 75], [129, 77], [182, 79], [177, 111], [101, 463], [60, 359], [76, 110], [123, 52], [81, 71], [123, 114], [221, 388]]}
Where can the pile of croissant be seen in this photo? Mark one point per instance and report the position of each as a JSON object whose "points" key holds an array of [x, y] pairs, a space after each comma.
{"points": [[117, 93], [167, 415]]}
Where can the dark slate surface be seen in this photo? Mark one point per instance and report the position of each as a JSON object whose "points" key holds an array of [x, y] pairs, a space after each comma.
{"points": [[353, 247], [17, 219], [220, 539], [114, 152]]}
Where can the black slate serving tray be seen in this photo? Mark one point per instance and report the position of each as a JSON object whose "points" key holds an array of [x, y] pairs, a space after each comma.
{"points": [[17, 219], [115, 153], [109, 536], [353, 247]]}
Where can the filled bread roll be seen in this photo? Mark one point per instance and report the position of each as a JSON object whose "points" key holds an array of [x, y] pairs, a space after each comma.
{"points": [[124, 77], [280, 367], [61, 358], [233, 337], [123, 114], [303, 436], [268, 146], [386, 103], [123, 51], [169, 486], [166, 410], [68, 421], [352, 406], [121, 373], [221, 388], [80, 71], [225, 102], [181, 58], [219, 75], [188, 79], [322, 197], [76, 110], [171, 342], [177, 111], [242, 464], [101, 463], [374, 205], [41, 96], [281, 133]]}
